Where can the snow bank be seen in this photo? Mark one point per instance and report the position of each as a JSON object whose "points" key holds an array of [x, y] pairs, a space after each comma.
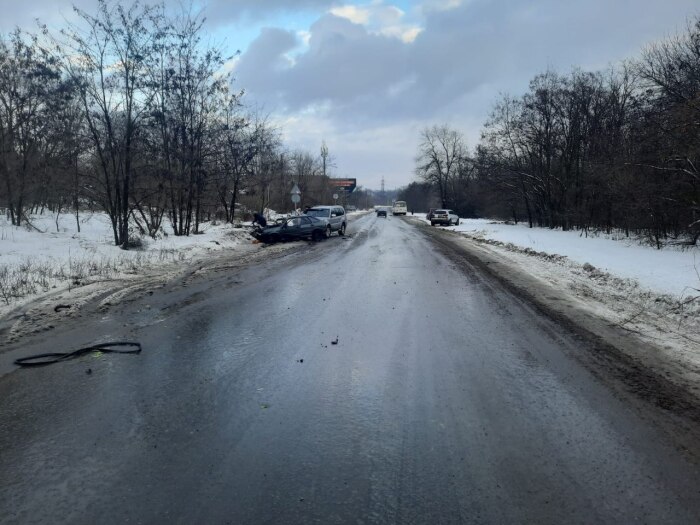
{"points": [[37, 258], [673, 271]]}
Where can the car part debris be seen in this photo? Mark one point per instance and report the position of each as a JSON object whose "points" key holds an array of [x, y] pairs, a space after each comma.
{"points": [[55, 357]]}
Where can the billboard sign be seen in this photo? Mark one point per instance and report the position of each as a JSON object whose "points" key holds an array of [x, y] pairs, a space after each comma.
{"points": [[347, 185]]}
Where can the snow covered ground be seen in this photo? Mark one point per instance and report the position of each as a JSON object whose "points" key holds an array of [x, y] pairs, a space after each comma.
{"points": [[671, 271], [41, 258]]}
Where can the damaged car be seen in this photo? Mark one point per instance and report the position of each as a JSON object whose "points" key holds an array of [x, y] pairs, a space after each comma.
{"points": [[294, 229]]}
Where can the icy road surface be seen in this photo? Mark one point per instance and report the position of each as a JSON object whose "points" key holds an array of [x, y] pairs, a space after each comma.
{"points": [[445, 400]]}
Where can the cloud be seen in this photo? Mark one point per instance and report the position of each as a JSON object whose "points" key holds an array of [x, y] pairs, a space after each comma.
{"points": [[344, 62], [50, 12], [379, 18], [357, 15], [361, 64], [439, 5], [226, 11]]}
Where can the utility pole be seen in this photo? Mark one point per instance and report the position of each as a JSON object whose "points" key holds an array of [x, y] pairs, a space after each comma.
{"points": [[324, 156]]}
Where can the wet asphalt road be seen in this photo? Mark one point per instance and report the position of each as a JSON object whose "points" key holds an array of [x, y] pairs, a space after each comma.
{"points": [[445, 400]]}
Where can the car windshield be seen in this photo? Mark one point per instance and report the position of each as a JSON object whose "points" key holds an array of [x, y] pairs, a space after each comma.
{"points": [[318, 212]]}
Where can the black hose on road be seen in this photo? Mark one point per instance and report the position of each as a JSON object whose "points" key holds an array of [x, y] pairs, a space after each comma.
{"points": [[56, 357]]}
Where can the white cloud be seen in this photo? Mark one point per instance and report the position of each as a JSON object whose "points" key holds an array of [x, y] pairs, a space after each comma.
{"points": [[357, 15], [379, 18], [305, 37], [404, 34]]}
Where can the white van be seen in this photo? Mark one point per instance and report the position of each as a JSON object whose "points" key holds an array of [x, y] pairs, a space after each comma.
{"points": [[399, 208]]}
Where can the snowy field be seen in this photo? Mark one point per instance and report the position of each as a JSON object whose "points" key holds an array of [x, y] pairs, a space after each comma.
{"points": [[40, 258], [95, 239], [672, 271]]}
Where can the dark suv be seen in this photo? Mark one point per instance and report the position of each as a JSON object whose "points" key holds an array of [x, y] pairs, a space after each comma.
{"points": [[333, 215]]}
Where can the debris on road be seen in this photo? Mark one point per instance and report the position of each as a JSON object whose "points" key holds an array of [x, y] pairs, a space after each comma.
{"points": [[60, 307], [55, 357]]}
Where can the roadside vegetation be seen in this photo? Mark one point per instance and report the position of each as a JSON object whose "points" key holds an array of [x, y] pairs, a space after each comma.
{"points": [[617, 150], [129, 111]]}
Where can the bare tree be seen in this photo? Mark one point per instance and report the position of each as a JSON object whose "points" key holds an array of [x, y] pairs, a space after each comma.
{"points": [[107, 56], [671, 72], [188, 91], [440, 153], [29, 83], [238, 146], [305, 170], [266, 162]]}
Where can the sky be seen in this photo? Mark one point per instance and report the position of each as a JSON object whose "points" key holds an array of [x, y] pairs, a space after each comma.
{"points": [[367, 76]]}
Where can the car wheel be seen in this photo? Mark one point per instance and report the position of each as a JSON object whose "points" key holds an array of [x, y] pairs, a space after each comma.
{"points": [[432, 223], [457, 223], [328, 232], [341, 231]]}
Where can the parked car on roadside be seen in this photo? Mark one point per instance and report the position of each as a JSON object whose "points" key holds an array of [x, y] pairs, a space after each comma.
{"points": [[444, 217], [381, 212], [333, 215], [295, 228]]}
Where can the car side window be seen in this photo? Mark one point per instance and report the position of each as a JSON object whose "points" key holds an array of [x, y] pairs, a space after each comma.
{"points": [[341, 212]]}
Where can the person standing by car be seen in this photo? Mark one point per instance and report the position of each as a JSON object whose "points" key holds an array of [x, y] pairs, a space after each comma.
{"points": [[259, 218]]}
